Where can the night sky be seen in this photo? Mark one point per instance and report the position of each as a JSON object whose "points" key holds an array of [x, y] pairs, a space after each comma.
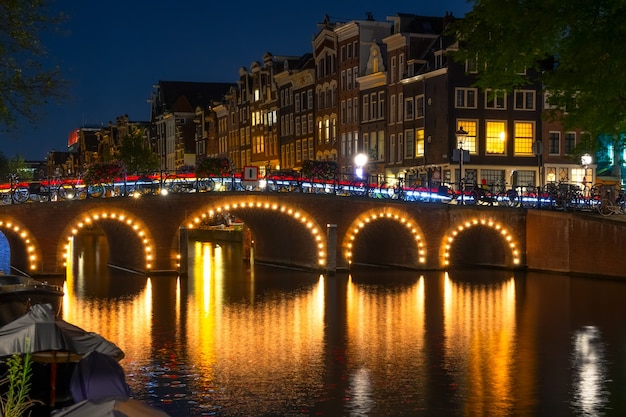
{"points": [[111, 53]]}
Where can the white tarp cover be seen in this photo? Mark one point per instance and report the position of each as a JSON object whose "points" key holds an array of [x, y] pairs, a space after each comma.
{"points": [[51, 339], [113, 408]]}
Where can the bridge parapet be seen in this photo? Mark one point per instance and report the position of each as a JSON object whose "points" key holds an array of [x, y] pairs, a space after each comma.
{"points": [[293, 228]]}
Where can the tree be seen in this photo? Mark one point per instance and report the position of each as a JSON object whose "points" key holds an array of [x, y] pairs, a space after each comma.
{"points": [[210, 167], [575, 47], [135, 153], [25, 83], [325, 170], [15, 165]]}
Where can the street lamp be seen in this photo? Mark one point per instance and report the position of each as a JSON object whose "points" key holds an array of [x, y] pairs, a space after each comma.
{"points": [[461, 135], [360, 160], [585, 161]]}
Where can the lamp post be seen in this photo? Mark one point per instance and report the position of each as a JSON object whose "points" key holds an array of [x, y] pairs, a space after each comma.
{"points": [[360, 160], [461, 135], [585, 161], [538, 151]]}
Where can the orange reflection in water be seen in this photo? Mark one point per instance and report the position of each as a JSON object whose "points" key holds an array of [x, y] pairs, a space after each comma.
{"points": [[204, 303], [239, 344], [124, 323], [385, 327], [480, 326]]}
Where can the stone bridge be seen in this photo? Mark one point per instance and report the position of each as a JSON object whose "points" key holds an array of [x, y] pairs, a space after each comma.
{"points": [[321, 232]]}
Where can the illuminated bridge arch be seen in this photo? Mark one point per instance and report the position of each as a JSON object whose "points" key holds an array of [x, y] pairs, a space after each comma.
{"points": [[20, 237], [303, 218], [402, 218], [129, 221], [507, 242]]}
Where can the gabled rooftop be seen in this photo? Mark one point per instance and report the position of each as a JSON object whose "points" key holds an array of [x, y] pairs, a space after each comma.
{"points": [[185, 96]]}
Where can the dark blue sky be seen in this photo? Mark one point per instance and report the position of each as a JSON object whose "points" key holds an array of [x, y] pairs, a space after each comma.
{"points": [[112, 52]]}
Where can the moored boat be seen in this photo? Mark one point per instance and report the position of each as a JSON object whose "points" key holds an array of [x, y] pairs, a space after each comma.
{"points": [[19, 293]]}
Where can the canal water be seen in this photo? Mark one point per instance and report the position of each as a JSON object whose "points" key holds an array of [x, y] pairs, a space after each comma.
{"points": [[237, 339]]}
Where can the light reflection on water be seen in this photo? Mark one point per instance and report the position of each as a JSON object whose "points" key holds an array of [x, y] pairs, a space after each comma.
{"points": [[385, 342], [234, 340], [480, 329], [589, 366], [239, 341]]}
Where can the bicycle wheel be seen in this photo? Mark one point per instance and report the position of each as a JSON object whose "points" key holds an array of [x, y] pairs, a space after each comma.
{"points": [[510, 198], [358, 188], [145, 186], [181, 185], [21, 195], [205, 184], [95, 190], [174, 186], [66, 192], [605, 207]]}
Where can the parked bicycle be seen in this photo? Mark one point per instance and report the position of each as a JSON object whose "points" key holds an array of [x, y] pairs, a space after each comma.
{"points": [[560, 195], [17, 193], [463, 193], [611, 201], [503, 195], [39, 191], [529, 195], [146, 185]]}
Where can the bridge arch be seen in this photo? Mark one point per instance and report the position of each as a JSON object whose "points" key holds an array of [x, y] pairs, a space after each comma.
{"points": [[507, 241], [22, 240], [401, 217], [99, 216], [303, 218]]}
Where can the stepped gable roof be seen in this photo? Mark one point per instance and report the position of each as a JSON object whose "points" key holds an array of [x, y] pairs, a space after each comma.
{"points": [[187, 95]]}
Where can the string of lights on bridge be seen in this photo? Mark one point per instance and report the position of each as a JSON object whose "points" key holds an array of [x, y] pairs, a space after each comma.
{"points": [[360, 222]]}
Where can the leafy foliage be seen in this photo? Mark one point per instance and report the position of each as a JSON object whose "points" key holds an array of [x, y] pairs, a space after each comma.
{"points": [[15, 165], [574, 47], [26, 83], [135, 154], [103, 172], [323, 170], [213, 167], [16, 402]]}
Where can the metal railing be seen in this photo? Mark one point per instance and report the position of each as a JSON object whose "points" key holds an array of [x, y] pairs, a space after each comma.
{"points": [[557, 196]]}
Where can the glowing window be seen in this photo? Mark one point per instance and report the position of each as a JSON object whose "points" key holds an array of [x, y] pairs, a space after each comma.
{"points": [[524, 137], [419, 142], [496, 138], [470, 126]]}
